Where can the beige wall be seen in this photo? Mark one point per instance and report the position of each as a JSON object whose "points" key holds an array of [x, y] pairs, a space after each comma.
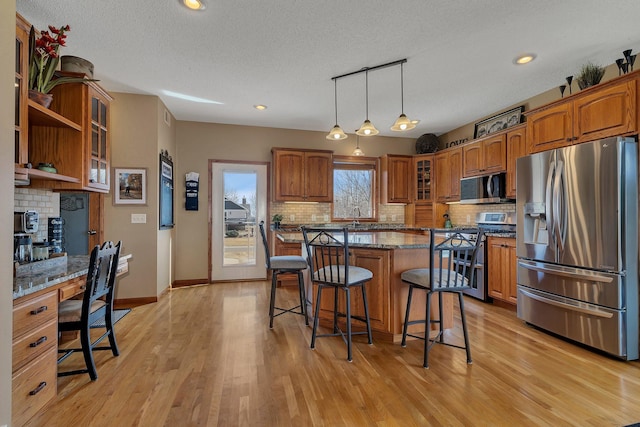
{"points": [[134, 142], [138, 133], [7, 51], [198, 142], [166, 141]]}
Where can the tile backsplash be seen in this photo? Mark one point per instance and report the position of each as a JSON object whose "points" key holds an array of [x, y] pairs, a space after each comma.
{"points": [[459, 213], [45, 202], [320, 213]]}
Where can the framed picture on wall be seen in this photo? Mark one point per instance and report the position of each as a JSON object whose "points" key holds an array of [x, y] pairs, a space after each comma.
{"points": [[499, 122], [131, 186]]}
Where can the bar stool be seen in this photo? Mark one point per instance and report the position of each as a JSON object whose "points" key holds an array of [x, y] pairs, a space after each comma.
{"points": [[284, 264], [328, 253], [452, 266]]}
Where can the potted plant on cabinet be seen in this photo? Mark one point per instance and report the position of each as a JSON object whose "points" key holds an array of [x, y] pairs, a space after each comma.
{"points": [[44, 57]]}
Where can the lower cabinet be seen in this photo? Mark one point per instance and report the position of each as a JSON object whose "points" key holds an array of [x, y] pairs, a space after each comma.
{"points": [[501, 269], [282, 248], [378, 262], [35, 350]]}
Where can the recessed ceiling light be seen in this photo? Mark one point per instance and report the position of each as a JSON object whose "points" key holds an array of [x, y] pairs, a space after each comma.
{"points": [[194, 4], [260, 107], [524, 59]]}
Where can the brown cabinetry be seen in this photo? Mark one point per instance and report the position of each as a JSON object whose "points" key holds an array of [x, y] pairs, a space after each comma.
{"points": [[609, 109], [302, 175], [448, 167], [485, 156], [423, 179], [396, 172], [286, 248], [35, 343], [81, 153], [501, 269], [377, 261], [21, 90], [516, 148]]}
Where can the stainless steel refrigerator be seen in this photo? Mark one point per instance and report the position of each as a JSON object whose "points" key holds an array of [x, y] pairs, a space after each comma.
{"points": [[577, 243]]}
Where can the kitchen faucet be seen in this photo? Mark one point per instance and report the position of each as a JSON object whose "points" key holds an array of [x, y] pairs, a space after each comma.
{"points": [[356, 214]]}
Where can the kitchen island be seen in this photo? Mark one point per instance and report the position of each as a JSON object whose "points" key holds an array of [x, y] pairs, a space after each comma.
{"points": [[387, 254]]}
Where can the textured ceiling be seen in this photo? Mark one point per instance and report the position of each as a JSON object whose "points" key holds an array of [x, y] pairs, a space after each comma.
{"points": [[284, 53]]}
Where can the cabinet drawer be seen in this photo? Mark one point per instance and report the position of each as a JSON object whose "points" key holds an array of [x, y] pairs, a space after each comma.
{"points": [[33, 387], [34, 343], [72, 288], [37, 311]]}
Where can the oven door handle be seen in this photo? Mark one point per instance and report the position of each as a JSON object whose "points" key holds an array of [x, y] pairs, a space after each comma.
{"points": [[557, 272], [566, 306]]}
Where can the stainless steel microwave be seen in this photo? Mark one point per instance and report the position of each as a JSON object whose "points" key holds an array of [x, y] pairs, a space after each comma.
{"points": [[485, 189]]}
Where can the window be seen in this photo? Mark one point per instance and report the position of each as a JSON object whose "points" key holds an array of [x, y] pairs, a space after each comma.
{"points": [[354, 188]]}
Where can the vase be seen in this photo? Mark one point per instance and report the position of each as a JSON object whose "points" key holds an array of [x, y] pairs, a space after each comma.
{"points": [[43, 99]]}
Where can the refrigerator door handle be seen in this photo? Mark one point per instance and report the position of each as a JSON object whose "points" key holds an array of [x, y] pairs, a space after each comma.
{"points": [[559, 206], [557, 272], [548, 205], [565, 305]]}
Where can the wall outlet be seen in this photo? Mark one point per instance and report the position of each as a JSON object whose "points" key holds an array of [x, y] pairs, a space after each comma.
{"points": [[468, 219], [383, 217], [393, 217], [314, 218], [138, 218], [292, 217], [326, 218]]}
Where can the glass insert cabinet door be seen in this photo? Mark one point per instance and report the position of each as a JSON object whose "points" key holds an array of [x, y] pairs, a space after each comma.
{"points": [[99, 167], [423, 176]]}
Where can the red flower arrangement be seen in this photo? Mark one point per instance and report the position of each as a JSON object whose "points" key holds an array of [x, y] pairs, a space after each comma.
{"points": [[44, 57]]}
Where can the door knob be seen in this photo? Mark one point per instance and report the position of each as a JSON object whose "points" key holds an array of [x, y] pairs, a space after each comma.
{"points": [[92, 232]]}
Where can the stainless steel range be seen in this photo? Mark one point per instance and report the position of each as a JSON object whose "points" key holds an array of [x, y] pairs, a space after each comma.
{"points": [[490, 222]]}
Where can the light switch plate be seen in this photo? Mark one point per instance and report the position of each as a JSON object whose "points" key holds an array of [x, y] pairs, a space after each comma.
{"points": [[326, 218], [138, 218], [314, 218], [292, 217]]}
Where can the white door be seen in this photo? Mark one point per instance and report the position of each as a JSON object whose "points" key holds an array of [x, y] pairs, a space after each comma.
{"points": [[238, 204]]}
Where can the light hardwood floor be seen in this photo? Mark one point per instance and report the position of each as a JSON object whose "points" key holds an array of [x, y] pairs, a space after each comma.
{"points": [[204, 356]]}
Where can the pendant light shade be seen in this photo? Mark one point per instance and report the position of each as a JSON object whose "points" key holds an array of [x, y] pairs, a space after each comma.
{"points": [[336, 133], [402, 123], [358, 151], [367, 128]]}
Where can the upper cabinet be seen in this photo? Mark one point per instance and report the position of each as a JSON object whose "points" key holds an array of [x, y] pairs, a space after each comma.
{"points": [[396, 172], [72, 134], [302, 175], [486, 156], [448, 166], [81, 154], [21, 85], [423, 179], [516, 147], [608, 109]]}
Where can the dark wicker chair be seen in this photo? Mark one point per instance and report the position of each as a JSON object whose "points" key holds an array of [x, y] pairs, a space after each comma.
{"points": [[328, 252], [284, 264], [452, 266], [96, 305]]}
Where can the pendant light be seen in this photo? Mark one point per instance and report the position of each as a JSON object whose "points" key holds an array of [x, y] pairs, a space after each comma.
{"points": [[358, 151], [336, 132], [367, 128], [402, 123]]}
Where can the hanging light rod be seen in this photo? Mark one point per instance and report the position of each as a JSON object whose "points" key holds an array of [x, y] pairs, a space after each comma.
{"points": [[377, 67]]}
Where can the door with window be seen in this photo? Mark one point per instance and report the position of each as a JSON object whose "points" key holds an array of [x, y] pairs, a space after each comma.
{"points": [[238, 204]]}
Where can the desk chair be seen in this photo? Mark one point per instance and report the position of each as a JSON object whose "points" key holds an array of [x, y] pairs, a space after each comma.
{"points": [[452, 266], [328, 253], [96, 304], [284, 264]]}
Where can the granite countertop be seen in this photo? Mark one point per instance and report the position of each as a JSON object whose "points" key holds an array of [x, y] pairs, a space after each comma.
{"points": [[29, 283], [371, 239]]}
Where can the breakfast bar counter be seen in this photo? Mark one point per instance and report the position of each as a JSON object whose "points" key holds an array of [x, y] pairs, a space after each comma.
{"points": [[387, 254]]}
